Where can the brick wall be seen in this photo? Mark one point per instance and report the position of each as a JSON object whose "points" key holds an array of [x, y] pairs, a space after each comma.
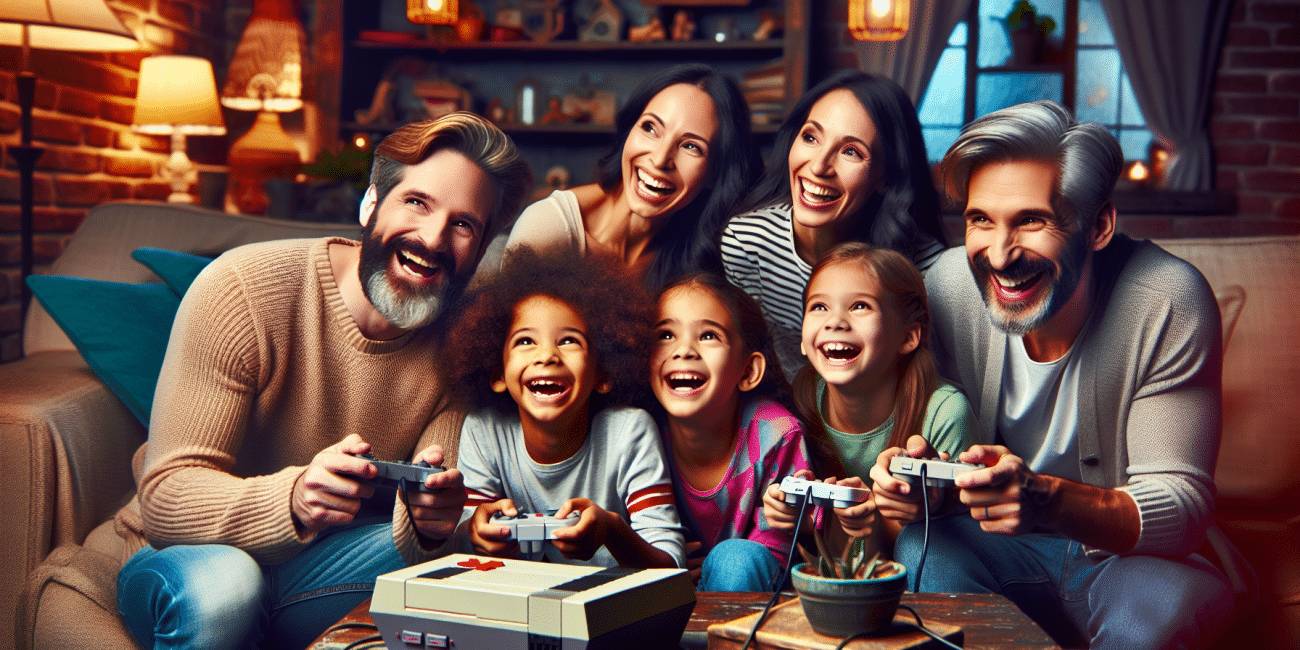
{"points": [[1256, 121], [82, 117]]}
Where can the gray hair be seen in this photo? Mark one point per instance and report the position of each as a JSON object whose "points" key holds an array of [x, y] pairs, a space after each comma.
{"points": [[1087, 156]]}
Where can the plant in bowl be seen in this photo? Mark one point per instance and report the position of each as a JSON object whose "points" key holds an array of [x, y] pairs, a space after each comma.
{"points": [[848, 595]]}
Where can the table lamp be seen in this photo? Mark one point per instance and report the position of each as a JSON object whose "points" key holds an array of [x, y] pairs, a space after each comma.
{"points": [[266, 76], [77, 25], [177, 96]]}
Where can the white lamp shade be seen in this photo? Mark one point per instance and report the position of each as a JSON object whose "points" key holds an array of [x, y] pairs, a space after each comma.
{"points": [[177, 94], [81, 25], [266, 71]]}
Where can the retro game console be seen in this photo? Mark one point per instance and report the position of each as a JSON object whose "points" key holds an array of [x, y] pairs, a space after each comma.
{"points": [[822, 494], [396, 474], [938, 473], [468, 602], [532, 530]]}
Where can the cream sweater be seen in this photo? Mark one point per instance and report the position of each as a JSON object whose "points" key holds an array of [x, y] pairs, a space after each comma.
{"points": [[265, 368]]}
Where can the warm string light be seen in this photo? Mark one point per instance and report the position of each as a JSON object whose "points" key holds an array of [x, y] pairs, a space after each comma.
{"points": [[1138, 172], [433, 12]]}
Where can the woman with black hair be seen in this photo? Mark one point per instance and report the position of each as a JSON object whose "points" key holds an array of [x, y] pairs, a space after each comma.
{"points": [[682, 160], [849, 163]]}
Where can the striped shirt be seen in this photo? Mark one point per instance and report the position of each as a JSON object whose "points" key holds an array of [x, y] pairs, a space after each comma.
{"points": [[759, 256], [620, 467]]}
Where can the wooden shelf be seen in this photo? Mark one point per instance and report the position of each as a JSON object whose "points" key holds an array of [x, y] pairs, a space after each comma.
{"points": [[773, 47]]}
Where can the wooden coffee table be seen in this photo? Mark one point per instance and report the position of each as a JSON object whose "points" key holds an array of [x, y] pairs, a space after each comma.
{"points": [[988, 621]]}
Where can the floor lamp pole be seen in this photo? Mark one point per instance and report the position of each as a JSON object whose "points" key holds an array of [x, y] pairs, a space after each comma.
{"points": [[26, 156]]}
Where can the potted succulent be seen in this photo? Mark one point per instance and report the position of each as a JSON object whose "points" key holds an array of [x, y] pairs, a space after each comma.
{"points": [[1027, 31], [848, 595]]}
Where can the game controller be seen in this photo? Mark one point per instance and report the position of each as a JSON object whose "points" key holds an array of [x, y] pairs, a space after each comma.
{"points": [[938, 473], [531, 530], [822, 494], [391, 474]]}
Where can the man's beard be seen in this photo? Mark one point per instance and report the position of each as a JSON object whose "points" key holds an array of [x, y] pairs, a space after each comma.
{"points": [[401, 303], [1020, 318]]}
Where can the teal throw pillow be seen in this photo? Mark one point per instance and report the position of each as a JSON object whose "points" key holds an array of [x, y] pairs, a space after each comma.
{"points": [[121, 329], [178, 270]]}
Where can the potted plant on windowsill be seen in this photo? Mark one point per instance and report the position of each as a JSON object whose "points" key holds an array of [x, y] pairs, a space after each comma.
{"points": [[1028, 33], [849, 595]]}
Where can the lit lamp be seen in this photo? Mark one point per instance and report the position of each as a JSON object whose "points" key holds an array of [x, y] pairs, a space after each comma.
{"points": [[879, 20], [265, 76], [177, 97], [432, 12], [78, 25]]}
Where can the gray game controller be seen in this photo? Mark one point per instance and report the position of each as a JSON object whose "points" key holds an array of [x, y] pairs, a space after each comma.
{"points": [[532, 530], [822, 494], [938, 473], [395, 475]]}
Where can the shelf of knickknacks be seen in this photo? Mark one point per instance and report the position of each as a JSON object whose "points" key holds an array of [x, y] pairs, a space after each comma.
{"points": [[771, 47]]}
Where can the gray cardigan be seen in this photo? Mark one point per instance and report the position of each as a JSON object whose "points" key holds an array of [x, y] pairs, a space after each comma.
{"points": [[1152, 358]]}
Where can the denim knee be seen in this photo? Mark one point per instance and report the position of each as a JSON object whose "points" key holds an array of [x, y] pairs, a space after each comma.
{"points": [[206, 596], [738, 565]]}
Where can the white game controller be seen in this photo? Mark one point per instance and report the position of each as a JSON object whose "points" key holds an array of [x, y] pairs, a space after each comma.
{"points": [[532, 530], [822, 494], [938, 473]]}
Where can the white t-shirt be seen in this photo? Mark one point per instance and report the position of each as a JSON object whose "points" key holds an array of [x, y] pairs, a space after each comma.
{"points": [[1040, 410]]}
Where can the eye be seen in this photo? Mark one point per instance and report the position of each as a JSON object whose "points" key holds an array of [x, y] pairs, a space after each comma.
{"points": [[853, 152], [860, 305], [694, 148], [465, 225], [709, 335], [816, 306], [808, 137], [664, 335], [648, 126], [570, 340], [523, 340]]}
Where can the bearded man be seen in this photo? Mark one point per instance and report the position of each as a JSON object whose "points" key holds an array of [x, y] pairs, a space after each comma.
{"points": [[287, 361], [1092, 362]]}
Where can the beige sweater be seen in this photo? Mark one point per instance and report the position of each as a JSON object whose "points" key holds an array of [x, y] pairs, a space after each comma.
{"points": [[266, 368]]}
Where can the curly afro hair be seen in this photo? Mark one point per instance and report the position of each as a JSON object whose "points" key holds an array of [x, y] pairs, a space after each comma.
{"points": [[610, 300]]}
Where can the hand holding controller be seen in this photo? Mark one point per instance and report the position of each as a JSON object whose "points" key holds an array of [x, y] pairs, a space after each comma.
{"points": [[938, 473], [532, 530], [391, 474], [822, 494]]}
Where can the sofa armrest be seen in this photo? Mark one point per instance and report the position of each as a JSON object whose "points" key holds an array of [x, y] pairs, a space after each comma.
{"points": [[67, 444]]}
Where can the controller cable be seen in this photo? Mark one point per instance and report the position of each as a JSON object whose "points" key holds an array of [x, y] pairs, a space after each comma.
{"points": [[780, 578], [925, 537]]}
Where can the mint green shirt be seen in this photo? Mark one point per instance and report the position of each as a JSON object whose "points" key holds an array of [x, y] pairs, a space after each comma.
{"points": [[949, 426]]}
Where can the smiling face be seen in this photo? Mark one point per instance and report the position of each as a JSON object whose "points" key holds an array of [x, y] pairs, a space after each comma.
{"points": [[1027, 260], [549, 368], [424, 240], [698, 365], [852, 331], [832, 173], [665, 159]]}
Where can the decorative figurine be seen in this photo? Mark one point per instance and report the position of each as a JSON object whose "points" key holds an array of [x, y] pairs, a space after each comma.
{"points": [[605, 24], [683, 26], [651, 31]]}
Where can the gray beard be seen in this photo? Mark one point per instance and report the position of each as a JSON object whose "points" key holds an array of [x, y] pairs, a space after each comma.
{"points": [[402, 309], [1021, 320]]}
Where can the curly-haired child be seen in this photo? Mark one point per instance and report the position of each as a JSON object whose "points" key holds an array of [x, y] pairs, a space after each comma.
{"points": [[563, 342]]}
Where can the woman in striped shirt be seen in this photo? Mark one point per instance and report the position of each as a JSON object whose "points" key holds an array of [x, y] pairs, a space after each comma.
{"points": [[849, 163]]}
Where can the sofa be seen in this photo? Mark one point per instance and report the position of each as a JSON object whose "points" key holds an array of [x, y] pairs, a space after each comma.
{"points": [[69, 440]]}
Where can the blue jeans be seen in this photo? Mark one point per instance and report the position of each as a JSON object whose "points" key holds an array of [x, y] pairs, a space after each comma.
{"points": [[1129, 601], [738, 565], [214, 596]]}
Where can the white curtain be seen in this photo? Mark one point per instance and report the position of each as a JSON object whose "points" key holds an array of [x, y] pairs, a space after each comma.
{"points": [[911, 61], [1170, 49]]}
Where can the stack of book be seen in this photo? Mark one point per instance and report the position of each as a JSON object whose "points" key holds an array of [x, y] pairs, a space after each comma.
{"points": [[764, 90]]}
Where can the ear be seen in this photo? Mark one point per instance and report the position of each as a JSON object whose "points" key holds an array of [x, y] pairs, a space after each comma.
{"points": [[367, 209], [499, 383], [911, 339], [755, 366], [603, 385], [1103, 227]]}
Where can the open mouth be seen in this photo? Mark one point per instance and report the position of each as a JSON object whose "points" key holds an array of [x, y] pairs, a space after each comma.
{"points": [[1012, 289], [546, 389], [840, 351], [416, 265], [684, 381], [817, 195], [652, 186]]}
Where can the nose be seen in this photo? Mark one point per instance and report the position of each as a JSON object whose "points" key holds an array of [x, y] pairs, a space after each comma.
{"points": [[548, 354], [661, 156], [685, 349], [820, 164], [836, 322], [1004, 249]]}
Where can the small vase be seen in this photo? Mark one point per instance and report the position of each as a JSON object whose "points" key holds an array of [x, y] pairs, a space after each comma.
{"points": [[839, 607]]}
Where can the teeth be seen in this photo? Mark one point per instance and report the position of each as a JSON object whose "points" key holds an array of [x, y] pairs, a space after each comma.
{"points": [[1008, 283], [417, 263], [818, 191], [546, 387], [837, 350], [685, 380], [653, 184]]}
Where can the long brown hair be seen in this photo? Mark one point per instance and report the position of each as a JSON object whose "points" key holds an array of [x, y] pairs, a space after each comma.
{"points": [[917, 375]]}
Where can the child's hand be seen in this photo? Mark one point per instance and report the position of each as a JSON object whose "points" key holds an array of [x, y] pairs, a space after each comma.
{"points": [[694, 564], [489, 538], [583, 539], [895, 498], [781, 515], [860, 519]]}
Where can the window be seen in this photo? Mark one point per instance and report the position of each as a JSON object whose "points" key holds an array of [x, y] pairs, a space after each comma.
{"points": [[982, 70]]}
